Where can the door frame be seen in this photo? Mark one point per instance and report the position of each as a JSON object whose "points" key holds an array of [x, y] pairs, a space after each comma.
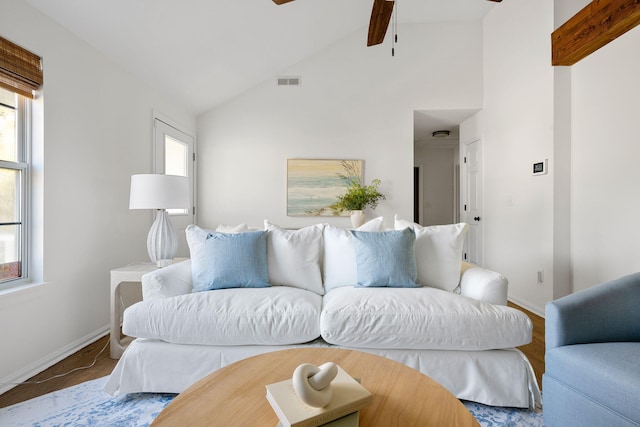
{"points": [[160, 120], [466, 215]]}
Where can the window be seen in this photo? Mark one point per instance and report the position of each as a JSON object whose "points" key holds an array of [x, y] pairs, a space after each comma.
{"points": [[14, 186], [20, 77], [176, 162], [173, 155]]}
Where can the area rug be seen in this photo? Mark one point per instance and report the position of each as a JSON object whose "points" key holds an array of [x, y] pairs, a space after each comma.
{"points": [[88, 405]]}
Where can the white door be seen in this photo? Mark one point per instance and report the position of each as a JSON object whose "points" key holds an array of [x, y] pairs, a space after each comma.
{"points": [[174, 155], [472, 201]]}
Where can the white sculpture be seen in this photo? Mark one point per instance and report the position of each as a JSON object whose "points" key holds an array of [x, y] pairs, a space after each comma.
{"points": [[313, 383]]}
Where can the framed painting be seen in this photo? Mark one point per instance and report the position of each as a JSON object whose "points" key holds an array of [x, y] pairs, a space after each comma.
{"points": [[313, 185]]}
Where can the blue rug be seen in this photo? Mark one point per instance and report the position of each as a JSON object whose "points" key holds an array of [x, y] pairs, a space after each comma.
{"points": [[87, 405]]}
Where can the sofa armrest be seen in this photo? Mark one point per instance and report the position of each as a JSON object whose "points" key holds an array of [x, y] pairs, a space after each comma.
{"points": [[169, 281], [607, 312], [483, 285]]}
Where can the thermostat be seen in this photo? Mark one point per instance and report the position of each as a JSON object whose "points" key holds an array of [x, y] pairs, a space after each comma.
{"points": [[540, 168]]}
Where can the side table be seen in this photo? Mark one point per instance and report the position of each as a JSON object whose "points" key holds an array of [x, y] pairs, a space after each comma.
{"points": [[120, 276]]}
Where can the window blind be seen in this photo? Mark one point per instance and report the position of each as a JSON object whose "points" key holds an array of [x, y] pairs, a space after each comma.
{"points": [[20, 70]]}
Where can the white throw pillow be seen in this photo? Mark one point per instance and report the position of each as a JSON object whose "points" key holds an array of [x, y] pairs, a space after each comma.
{"points": [[438, 252], [339, 254], [232, 229], [196, 238], [293, 257]]}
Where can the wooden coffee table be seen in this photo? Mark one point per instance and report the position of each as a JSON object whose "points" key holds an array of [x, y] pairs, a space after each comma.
{"points": [[235, 394]]}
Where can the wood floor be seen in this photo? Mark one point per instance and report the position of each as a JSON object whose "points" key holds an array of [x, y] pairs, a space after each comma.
{"points": [[535, 350], [104, 365], [84, 357]]}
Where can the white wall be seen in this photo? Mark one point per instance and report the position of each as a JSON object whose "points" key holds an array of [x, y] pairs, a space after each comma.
{"points": [[576, 223], [605, 172], [516, 128], [97, 132], [355, 102]]}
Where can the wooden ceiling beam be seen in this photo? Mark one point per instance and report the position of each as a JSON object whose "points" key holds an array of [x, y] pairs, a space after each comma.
{"points": [[599, 23]]}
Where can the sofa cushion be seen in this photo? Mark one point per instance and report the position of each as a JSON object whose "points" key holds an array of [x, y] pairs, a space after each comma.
{"points": [[294, 257], [278, 315], [385, 259], [438, 252], [419, 318], [228, 260], [339, 262], [233, 229], [606, 374]]}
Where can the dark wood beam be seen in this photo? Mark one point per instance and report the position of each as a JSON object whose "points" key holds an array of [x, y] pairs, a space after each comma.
{"points": [[599, 23]]}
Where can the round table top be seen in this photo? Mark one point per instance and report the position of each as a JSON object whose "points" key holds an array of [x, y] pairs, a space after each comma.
{"points": [[236, 395]]}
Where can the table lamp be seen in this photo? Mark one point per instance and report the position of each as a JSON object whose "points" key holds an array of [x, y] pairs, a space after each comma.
{"points": [[160, 192]]}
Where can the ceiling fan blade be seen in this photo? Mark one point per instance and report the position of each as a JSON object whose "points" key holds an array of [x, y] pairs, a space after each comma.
{"points": [[380, 17], [281, 1], [497, 1]]}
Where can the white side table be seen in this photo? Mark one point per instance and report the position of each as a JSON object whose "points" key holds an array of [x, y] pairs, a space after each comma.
{"points": [[119, 276]]}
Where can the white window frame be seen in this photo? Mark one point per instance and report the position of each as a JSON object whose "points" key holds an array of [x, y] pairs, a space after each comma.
{"points": [[23, 164]]}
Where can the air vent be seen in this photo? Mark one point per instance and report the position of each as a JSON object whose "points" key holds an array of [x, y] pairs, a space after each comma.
{"points": [[289, 81]]}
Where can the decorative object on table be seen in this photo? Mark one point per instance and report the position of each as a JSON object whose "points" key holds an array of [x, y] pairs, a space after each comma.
{"points": [[313, 383], [347, 396], [315, 184], [351, 420], [160, 192], [358, 218], [357, 198]]}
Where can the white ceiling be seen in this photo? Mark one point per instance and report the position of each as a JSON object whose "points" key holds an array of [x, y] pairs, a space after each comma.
{"points": [[204, 52], [428, 121]]}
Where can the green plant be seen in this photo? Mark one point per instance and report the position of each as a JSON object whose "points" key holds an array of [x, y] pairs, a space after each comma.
{"points": [[358, 197]]}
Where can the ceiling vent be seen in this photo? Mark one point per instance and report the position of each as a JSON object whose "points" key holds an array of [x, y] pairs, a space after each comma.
{"points": [[289, 81]]}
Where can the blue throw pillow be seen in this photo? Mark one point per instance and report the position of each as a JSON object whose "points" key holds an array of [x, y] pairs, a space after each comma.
{"points": [[386, 258], [230, 261]]}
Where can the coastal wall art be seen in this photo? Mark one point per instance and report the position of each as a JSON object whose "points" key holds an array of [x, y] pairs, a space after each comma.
{"points": [[313, 185]]}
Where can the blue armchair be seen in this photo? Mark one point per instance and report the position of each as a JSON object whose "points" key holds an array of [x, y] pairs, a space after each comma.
{"points": [[592, 375]]}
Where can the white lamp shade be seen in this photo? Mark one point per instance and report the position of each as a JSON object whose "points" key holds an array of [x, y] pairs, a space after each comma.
{"points": [[156, 191]]}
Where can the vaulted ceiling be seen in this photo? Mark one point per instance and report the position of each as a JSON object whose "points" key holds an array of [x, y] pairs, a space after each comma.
{"points": [[205, 52]]}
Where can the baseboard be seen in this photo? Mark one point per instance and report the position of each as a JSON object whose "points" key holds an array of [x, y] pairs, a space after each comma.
{"points": [[9, 382], [527, 306]]}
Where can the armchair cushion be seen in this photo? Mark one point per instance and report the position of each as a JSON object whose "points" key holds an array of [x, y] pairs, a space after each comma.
{"points": [[600, 372]]}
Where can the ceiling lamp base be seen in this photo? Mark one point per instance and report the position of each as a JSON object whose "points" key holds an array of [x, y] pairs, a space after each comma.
{"points": [[441, 134]]}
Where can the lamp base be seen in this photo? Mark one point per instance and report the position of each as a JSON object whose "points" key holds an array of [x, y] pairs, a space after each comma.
{"points": [[162, 243], [164, 262]]}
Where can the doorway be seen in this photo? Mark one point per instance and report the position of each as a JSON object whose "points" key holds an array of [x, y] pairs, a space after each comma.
{"points": [[173, 153], [436, 155]]}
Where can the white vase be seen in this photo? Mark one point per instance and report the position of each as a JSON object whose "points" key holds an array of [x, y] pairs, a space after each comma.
{"points": [[357, 218], [162, 243]]}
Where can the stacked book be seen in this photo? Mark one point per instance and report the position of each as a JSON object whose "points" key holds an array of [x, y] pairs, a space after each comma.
{"points": [[349, 396]]}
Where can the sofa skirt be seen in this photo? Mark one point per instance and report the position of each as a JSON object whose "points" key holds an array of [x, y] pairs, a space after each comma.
{"points": [[491, 377]]}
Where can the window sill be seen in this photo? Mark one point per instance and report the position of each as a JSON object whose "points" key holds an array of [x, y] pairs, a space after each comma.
{"points": [[19, 287]]}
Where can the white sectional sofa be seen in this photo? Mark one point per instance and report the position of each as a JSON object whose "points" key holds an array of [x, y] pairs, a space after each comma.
{"points": [[399, 293]]}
